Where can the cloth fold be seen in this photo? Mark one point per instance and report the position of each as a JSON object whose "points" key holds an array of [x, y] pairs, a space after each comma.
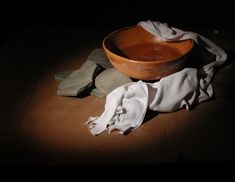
{"points": [[119, 113], [96, 72], [79, 80], [126, 106]]}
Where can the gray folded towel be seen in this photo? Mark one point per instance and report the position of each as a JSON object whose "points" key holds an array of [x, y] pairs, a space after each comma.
{"points": [[96, 92], [90, 75], [79, 80], [98, 56], [60, 76], [109, 80]]}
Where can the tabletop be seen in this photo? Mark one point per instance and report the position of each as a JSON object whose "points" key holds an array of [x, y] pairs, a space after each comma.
{"points": [[39, 127]]}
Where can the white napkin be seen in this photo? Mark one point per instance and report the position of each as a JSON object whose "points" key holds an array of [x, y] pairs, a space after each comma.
{"points": [[126, 106]]}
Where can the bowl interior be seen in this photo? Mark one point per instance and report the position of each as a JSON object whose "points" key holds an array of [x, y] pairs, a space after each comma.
{"points": [[137, 44]]}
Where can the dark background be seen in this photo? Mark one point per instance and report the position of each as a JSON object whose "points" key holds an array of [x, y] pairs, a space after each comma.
{"points": [[36, 31], [18, 16], [90, 13]]}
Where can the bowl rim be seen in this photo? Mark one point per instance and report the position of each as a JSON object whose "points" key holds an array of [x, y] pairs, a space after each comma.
{"points": [[143, 62]]}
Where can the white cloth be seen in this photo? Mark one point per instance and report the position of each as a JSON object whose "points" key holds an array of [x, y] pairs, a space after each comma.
{"points": [[126, 106]]}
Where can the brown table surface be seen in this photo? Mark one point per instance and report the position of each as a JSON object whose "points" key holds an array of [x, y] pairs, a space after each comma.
{"points": [[39, 127]]}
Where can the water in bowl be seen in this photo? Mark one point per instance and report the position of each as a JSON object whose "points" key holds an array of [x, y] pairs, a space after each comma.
{"points": [[150, 52]]}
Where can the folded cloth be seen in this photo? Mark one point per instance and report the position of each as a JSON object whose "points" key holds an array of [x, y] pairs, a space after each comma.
{"points": [[60, 76], [98, 57], [126, 106], [98, 71], [79, 80], [110, 79], [96, 92], [74, 82], [107, 81]]}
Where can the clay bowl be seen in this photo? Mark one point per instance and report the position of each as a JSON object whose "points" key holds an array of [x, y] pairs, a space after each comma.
{"points": [[140, 55]]}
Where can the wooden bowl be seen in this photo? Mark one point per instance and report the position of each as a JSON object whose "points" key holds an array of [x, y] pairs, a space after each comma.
{"points": [[140, 55]]}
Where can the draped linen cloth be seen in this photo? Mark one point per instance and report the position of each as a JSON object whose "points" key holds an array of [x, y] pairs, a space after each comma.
{"points": [[126, 106]]}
